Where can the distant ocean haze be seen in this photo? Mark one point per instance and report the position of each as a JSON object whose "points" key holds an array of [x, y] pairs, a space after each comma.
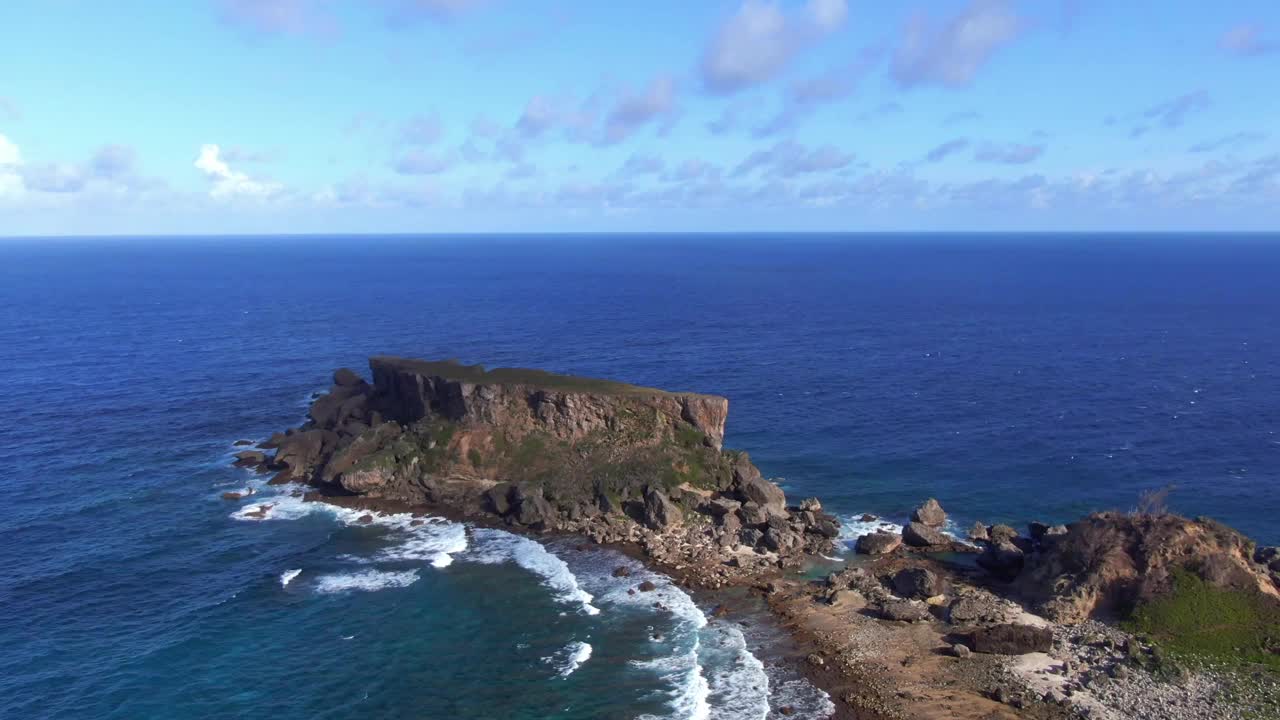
{"points": [[1015, 378]]}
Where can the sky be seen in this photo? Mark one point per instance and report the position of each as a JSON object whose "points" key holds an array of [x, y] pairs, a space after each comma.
{"points": [[142, 117]]}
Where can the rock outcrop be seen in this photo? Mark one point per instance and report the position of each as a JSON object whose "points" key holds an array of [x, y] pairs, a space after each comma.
{"points": [[1111, 562], [544, 452]]}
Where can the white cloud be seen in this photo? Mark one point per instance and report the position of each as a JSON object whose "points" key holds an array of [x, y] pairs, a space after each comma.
{"points": [[633, 111], [228, 183], [758, 41], [11, 184], [952, 54]]}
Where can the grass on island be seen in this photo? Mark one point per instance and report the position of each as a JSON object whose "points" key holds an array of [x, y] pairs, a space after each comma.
{"points": [[1200, 621], [478, 375]]}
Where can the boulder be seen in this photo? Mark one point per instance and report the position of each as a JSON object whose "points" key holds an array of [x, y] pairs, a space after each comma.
{"points": [[753, 513], [961, 651], [1012, 639], [930, 513], [622, 571], [918, 534], [250, 458], [719, 507], [300, 452], [242, 443], [1037, 530], [751, 537], [781, 540], [847, 600], [659, 512], [903, 611], [232, 496], [917, 583], [1002, 559], [346, 377], [811, 505], [531, 509], [978, 533], [497, 499], [646, 586], [878, 543], [1001, 533], [752, 487], [827, 526], [973, 610]]}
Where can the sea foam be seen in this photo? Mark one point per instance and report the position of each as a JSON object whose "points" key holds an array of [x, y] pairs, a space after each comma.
{"points": [[497, 546], [365, 580], [570, 658]]}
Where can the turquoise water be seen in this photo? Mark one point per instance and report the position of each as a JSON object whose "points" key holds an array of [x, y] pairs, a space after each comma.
{"points": [[1013, 378]]}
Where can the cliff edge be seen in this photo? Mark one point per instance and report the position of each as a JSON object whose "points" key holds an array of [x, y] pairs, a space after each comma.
{"points": [[616, 462]]}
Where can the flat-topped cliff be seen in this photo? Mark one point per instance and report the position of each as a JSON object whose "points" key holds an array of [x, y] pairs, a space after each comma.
{"points": [[541, 451]]}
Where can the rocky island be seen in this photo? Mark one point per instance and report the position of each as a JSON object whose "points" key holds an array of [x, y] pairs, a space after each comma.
{"points": [[1001, 624]]}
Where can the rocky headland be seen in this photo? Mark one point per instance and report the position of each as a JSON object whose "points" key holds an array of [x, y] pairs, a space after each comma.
{"points": [[920, 623]]}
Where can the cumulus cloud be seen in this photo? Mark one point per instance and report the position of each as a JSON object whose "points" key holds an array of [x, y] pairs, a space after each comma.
{"points": [[11, 184], [230, 184], [950, 147], [951, 54], [635, 110], [1009, 153], [1173, 113], [113, 162], [804, 96], [760, 39], [1247, 40]]}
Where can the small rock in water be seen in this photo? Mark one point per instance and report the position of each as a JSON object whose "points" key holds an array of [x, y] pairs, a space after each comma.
{"points": [[646, 586], [365, 519], [622, 571], [930, 513], [868, 517], [232, 496]]}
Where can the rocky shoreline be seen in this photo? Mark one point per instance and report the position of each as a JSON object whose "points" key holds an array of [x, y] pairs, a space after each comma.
{"points": [[921, 624]]}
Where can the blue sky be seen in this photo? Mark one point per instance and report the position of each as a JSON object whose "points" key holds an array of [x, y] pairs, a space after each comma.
{"points": [[259, 116]]}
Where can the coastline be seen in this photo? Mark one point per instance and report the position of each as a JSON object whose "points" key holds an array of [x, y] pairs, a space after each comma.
{"points": [[924, 665]]}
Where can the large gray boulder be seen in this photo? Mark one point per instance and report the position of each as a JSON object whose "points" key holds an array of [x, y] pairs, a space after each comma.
{"points": [[531, 509], [920, 535], [878, 543], [917, 583], [1012, 639], [930, 513], [659, 512]]}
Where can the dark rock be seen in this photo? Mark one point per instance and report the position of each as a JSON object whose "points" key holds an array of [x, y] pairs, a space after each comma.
{"points": [[752, 487], [659, 512], [346, 377], [1012, 639], [972, 610], [979, 532], [365, 519], [622, 571], [753, 514], [719, 507], [250, 458], [416, 522], [301, 452], [497, 499], [920, 535], [646, 586], [903, 610], [532, 509], [232, 496], [751, 537], [1001, 533], [242, 443], [781, 540], [878, 543], [1037, 530], [917, 583], [825, 525], [1003, 559], [930, 513], [868, 517], [606, 504]]}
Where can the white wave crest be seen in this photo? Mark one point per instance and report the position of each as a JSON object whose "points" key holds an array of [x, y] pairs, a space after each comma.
{"points": [[690, 692], [365, 580], [287, 576], [570, 658], [739, 685], [497, 546]]}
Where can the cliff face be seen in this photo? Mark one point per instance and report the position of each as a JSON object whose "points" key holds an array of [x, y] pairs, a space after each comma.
{"points": [[544, 451], [526, 401]]}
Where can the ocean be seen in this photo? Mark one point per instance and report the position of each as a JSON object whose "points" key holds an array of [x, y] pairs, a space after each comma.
{"points": [[1013, 377]]}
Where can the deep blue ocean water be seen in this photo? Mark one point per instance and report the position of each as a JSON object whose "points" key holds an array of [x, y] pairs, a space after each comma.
{"points": [[1015, 378]]}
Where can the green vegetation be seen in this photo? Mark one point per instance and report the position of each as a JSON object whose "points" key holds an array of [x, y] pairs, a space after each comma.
{"points": [[478, 375], [1198, 620]]}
